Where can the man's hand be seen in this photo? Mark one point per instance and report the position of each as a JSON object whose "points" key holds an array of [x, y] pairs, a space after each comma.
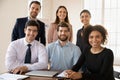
{"points": [[19, 70]]}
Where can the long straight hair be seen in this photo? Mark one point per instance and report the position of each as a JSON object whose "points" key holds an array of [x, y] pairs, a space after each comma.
{"points": [[57, 20]]}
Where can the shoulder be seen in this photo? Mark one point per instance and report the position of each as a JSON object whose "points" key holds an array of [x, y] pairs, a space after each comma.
{"points": [[73, 46], [40, 22], [53, 25], [108, 52], [51, 45], [70, 25], [38, 44], [23, 18], [79, 30], [17, 42]]}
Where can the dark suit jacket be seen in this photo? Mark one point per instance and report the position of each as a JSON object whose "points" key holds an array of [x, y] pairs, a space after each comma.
{"points": [[18, 30]]}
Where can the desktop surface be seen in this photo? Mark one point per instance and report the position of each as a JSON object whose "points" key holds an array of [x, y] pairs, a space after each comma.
{"points": [[40, 78]]}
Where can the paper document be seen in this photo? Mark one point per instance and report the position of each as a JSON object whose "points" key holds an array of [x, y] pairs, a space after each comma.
{"points": [[62, 74], [9, 76]]}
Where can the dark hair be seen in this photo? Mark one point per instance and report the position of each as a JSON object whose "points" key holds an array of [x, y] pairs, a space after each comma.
{"points": [[98, 28], [63, 24], [32, 23], [36, 2], [85, 11], [57, 18]]}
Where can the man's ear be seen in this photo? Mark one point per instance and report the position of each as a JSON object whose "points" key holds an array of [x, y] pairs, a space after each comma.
{"points": [[24, 30]]}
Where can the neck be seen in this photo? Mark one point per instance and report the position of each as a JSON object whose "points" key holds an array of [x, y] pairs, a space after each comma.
{"points": [[86, 25], [62, 43], [62, 20], [29, 41], [96, 50], [32, 18]]}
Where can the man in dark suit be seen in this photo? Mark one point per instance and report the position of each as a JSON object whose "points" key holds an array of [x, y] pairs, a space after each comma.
{"points": [[18, 30]]}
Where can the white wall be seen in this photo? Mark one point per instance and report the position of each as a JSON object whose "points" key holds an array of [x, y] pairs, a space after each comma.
{"points": [[10, 10]]}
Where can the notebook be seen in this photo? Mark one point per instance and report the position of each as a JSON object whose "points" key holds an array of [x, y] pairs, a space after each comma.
{"points": [[9, 76], [42, 73]]}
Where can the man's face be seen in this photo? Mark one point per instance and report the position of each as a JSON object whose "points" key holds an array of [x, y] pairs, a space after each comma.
{"points": [[63, 33], [30, 33], [34, 10]]}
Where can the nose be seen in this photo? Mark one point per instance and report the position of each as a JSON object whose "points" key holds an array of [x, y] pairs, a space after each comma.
{"points": [[62, 32], [31, 32], [34, 10], [94, 39]]}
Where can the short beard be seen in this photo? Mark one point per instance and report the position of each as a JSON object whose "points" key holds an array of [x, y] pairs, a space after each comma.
{"points": [[65, 39]]}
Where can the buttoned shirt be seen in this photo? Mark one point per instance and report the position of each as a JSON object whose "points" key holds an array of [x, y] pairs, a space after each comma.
{"points": [[62, 57], [16, 52]]}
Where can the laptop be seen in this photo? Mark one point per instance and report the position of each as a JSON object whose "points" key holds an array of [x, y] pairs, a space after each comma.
{"points": [[42, 73]]}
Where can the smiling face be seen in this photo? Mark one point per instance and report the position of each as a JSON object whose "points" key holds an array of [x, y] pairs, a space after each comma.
{"points": [[63, 33], [95, 39], [34, 10], [31, 33], [62, 13], [85, 18]]}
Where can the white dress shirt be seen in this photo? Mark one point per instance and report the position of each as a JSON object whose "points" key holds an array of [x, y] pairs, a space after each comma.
{"points": [[16, 52]]}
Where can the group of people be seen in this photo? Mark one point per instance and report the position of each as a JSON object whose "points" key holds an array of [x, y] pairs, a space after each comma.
{"points": [[87, 60]]}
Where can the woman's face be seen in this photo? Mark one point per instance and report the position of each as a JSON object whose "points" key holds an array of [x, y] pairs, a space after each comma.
{"points": [[62, 13], [95, 39], [85, 18]]}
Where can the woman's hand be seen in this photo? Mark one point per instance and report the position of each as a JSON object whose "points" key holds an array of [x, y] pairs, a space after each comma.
{"points": [[73, 75]]}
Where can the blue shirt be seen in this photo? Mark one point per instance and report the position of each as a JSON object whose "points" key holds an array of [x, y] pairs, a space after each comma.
{"points": [[62, 57]]}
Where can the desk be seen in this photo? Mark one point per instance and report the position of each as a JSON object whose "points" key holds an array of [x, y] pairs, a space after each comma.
{"points": [[40, 78], [117, 72], [45, 78]]}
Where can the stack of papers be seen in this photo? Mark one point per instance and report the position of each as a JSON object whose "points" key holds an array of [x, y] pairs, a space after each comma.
{"points": [[9, 76]]}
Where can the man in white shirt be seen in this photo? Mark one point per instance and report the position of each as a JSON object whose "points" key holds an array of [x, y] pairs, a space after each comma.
{"points": [[16, 52]]}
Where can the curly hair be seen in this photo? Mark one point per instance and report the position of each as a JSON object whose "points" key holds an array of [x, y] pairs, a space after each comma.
{"points": [[98, 28]]}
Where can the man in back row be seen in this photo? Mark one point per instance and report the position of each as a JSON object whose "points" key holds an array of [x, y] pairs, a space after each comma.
{"points": [[26, 54], [62, 54], [18, 30]]}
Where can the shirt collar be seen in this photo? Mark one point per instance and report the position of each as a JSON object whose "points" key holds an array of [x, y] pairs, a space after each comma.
{"points": [[30, 19], [58, 43], [26, 43]]}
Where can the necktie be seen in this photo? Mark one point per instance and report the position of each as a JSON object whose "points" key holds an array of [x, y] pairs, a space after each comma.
{"points": [[28, 54]]}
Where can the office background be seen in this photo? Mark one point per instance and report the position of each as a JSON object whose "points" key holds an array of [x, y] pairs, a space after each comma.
{"points": [[10, 10]]}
